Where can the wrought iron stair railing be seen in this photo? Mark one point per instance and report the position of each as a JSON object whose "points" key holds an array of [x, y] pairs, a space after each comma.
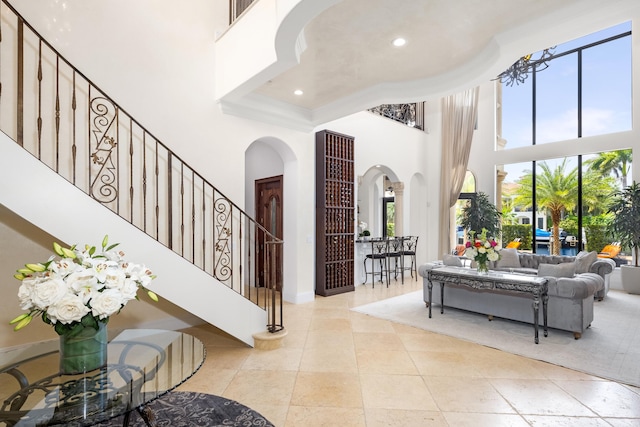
{"points": [[56, 113]]}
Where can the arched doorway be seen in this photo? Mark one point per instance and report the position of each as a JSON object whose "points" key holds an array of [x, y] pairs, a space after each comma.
{"points": [[380, 200], [270, 177]]}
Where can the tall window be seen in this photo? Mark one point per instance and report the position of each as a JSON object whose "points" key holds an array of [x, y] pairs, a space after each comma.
{"points": [[570, 196], [560, 204], [585, 91]]}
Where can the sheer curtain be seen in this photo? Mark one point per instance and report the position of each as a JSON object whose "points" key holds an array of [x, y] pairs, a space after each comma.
{"points": [[459, 114]]}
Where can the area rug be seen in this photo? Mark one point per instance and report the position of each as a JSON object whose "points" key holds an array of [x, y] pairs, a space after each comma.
{"points": [[609, 349], [180, 408]]}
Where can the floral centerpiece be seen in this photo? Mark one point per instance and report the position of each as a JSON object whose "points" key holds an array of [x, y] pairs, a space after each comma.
{"points": [[482, 249], [77, 294]]}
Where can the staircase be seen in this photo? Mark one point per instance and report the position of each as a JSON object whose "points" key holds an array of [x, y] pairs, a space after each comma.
{"points": [[76, 165]]}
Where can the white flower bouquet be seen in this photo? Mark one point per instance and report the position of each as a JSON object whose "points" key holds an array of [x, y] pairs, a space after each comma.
{"points": [[482, 249], [80, 289]]}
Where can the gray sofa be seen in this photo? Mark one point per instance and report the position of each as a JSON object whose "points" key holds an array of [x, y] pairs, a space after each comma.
{"points": [[585, 262], [574, 283]]}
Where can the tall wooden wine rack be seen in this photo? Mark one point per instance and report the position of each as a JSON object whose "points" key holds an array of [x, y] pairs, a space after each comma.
{"points": [[335, 213]]}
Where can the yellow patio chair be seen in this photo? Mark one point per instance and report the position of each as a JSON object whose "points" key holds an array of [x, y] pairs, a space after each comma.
{"points": [[610, 251], [514, 244]]}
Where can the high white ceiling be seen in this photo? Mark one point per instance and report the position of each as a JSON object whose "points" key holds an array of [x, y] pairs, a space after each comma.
{"points": [[349, 63], [349, 45]]}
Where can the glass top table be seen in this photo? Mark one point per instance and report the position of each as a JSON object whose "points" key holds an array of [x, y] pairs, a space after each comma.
{"points": [[142, 365]]}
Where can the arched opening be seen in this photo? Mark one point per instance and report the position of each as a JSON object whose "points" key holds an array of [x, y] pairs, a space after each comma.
{"points": [[380, 198], [270, 177]]}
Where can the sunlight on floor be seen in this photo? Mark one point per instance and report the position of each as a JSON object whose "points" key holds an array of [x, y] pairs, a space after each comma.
{"points": [[339, 367]]}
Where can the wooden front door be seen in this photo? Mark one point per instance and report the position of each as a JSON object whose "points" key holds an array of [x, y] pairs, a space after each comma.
{"points": [[268, 215]]}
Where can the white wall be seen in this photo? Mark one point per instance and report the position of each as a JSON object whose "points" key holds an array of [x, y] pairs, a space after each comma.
{"points": [[380, 141], [36, 246]]}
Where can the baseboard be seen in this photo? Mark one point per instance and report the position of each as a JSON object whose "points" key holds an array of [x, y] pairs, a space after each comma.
{"points": [[300, 298]]}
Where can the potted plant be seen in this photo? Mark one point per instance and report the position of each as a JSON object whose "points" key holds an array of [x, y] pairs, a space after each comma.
{"points": [[479, 213], [625, 226]]}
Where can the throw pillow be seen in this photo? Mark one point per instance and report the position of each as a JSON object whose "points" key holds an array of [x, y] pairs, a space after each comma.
{"points": [[565, 269], [584, 260], [451, 260], [508, 259]]}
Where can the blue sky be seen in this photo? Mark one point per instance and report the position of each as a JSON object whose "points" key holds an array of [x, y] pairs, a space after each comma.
{"points": [[606, 103]]}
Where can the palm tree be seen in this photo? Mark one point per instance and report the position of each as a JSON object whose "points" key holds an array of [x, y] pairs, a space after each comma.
{"points": [[616, 162], [596, 191], [557, 192], [508, 215]]}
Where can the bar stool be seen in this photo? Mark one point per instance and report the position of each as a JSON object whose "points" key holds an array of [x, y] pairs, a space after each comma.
{"points": [[409, 248], [394, 254], [378, 253]]}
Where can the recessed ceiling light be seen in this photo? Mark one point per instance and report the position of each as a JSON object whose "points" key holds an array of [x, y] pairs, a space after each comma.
{"points": [[298, 92], [399, 42]]}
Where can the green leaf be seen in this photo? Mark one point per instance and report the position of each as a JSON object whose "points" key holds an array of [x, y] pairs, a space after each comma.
{"points": [[112, 246], [89, 321], [76, 329], [92, 250], [45, 318], [60, 329]]}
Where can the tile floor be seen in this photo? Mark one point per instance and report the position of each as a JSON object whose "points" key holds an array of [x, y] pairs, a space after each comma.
{"points": [[341, 368]]}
